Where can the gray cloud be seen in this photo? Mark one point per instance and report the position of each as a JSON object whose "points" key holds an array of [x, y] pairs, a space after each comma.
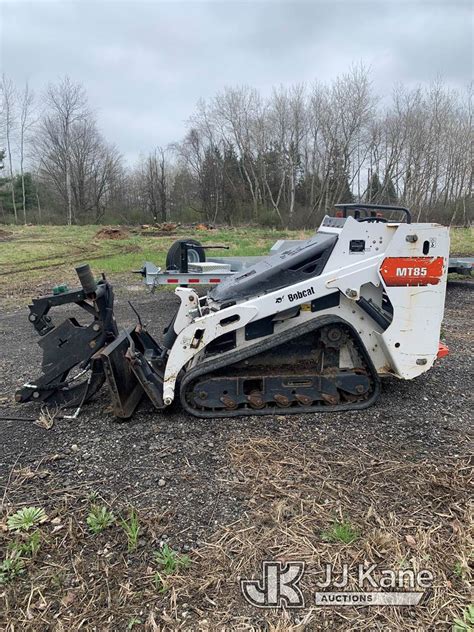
{"points": [[145, 64]]}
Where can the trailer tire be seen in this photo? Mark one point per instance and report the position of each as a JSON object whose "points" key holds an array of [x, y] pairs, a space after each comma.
{"points": [[195, 255]]}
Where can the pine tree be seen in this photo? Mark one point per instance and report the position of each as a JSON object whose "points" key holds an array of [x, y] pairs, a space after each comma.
{"points": [[389, 192], [308, 189], [374, 190], [338, 182], [5, 192]]}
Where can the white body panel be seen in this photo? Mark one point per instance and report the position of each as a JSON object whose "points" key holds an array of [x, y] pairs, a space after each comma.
{"points": [[406, 348]]}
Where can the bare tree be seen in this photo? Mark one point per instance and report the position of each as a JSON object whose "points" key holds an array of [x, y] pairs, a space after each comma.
{"points": [[156, 184], [238, 115], [163, 183], [67, 103], [26, 124], [9, 97], [78, 165], [191, 155]]}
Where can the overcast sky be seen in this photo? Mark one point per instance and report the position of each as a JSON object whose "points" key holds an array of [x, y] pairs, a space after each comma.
{"points": [[145, 64]]}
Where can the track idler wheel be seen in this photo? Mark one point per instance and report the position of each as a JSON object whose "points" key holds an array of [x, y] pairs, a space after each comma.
{"points": [[256, 400], [303, 400], [228, 402], [281, 400]]}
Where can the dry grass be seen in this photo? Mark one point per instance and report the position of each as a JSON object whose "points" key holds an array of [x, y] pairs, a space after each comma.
{"points": [[407, 515], [46, 418]]}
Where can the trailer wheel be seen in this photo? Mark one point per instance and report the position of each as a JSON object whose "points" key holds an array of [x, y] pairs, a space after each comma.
{"points": [[195, 254]]}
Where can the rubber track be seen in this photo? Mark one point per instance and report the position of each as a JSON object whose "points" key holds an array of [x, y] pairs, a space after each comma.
{"points": [[273, 341]]}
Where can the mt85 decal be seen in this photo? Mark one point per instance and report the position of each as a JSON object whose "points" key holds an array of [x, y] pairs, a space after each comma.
{"points": [[400, 271]]}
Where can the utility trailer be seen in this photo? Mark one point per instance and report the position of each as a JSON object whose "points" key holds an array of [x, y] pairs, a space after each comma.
{"points": [[461, 265], [194, 268], [207, 271]]}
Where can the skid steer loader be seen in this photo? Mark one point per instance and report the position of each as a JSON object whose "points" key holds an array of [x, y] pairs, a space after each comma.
{"points": [[311, 329]]}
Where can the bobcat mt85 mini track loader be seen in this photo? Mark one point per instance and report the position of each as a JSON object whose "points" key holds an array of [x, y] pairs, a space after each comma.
{"points": [[311, 329]]}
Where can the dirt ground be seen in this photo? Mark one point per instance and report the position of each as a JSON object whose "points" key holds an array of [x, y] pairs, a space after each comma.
{"points": [[230, 493]]}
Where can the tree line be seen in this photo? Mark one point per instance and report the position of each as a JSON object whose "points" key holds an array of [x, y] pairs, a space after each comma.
{"points": [[281, 160]]}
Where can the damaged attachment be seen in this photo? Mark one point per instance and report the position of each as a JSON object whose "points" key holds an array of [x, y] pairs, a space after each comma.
{"points": [[78, 359], [133, 365], [70, 376]]}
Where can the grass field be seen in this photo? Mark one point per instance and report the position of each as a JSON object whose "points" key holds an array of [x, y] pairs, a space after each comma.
{"points": [[44, 256]]}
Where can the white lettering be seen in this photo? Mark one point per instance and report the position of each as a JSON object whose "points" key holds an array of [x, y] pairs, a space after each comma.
{"points": [[406, 578], [387, 579], [411, 272], [367, 575], [342, 583], [424, 579], [328, 580]]}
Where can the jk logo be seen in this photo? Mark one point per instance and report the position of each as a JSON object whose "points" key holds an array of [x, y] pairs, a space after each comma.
{"points": [[278, 588]]}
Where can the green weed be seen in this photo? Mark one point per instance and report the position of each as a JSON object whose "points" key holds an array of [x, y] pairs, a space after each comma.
{"points": [[170, 561], [340, 532], [467, 622], [131, 527], [29, 547], [99, 518], [133, 622], [26, 518], [93, 496], [11, 568], [160, 583]]}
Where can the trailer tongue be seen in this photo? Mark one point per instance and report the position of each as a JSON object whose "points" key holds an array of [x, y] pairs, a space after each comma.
{"points": [[308, 329]]}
